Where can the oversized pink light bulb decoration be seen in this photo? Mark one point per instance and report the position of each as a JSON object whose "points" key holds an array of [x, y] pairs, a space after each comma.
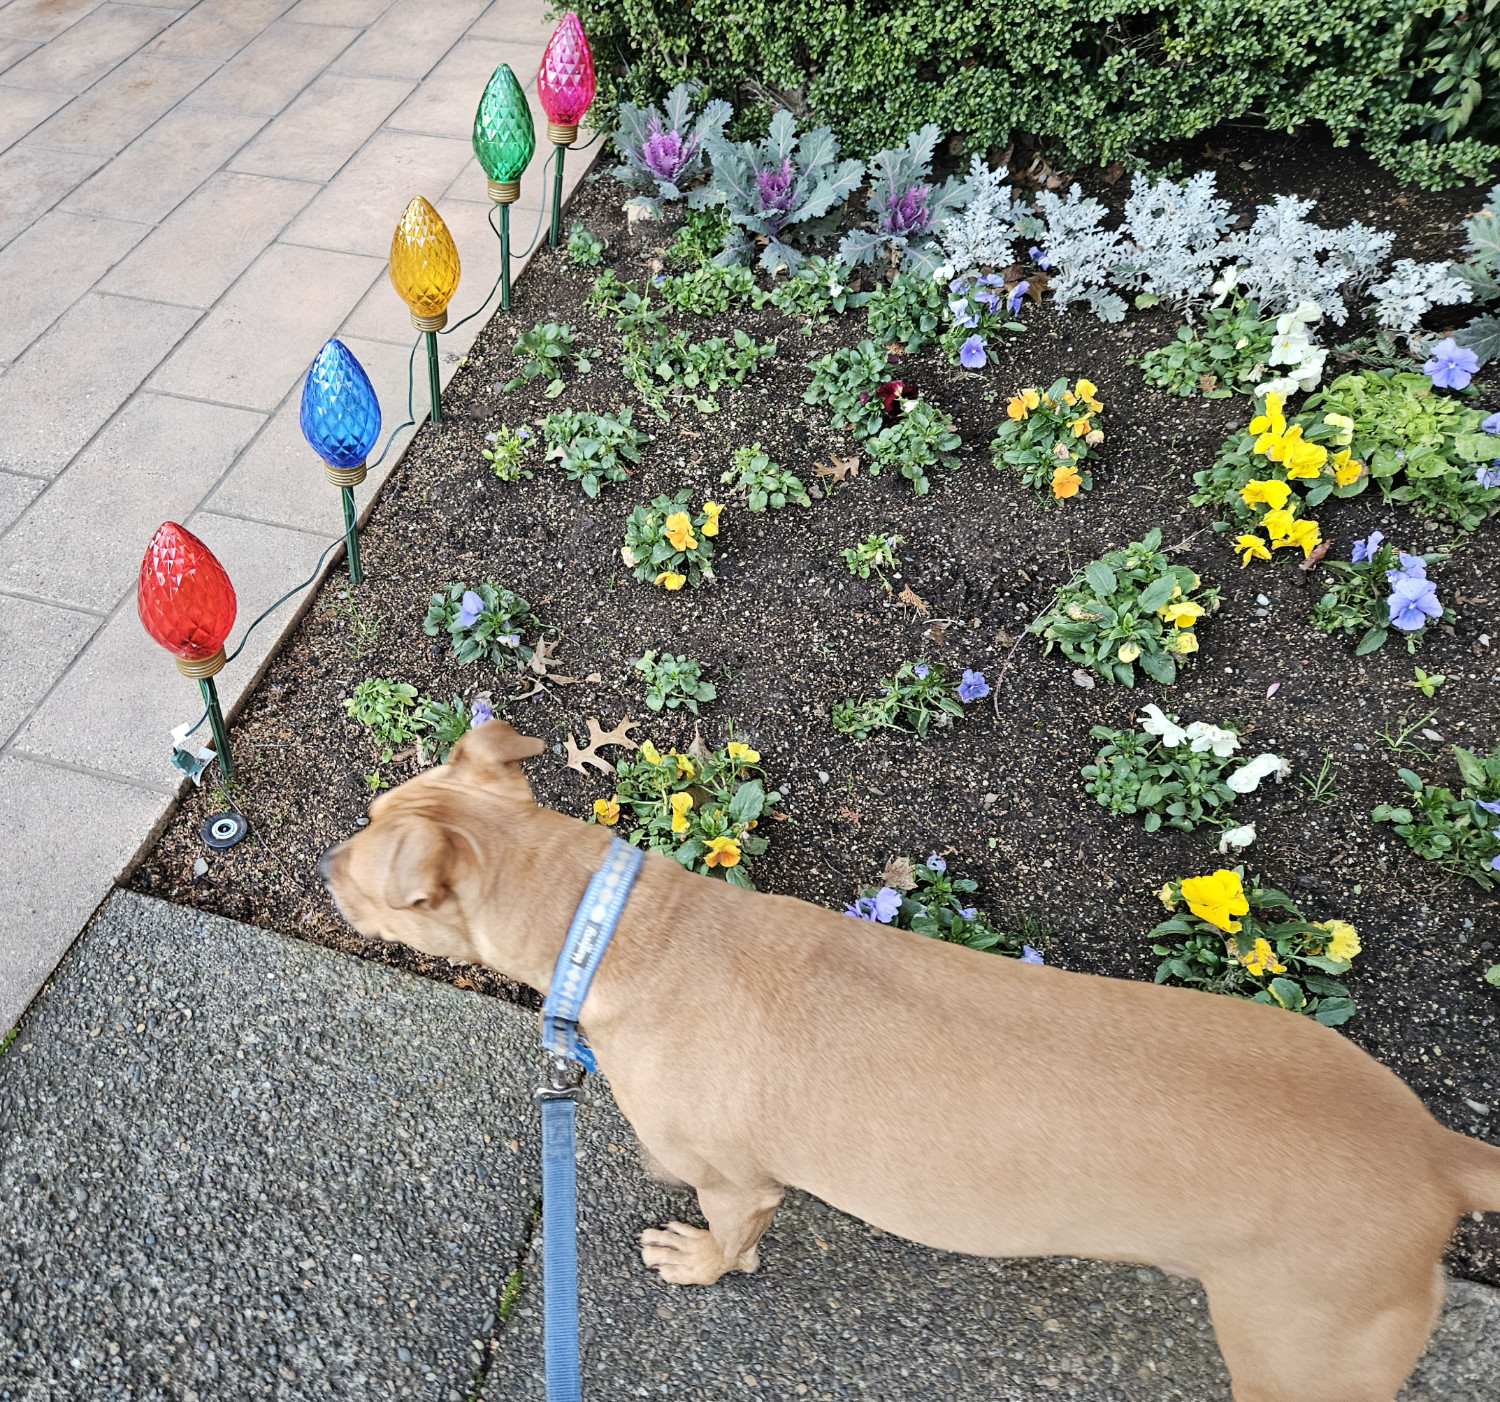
{"points": [[565, 81]]}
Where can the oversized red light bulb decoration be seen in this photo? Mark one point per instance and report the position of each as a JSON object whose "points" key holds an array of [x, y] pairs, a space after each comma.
{"points": [[565, 88], [186, 602]]}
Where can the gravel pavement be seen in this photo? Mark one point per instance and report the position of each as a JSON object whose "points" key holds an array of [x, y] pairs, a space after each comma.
{"points": [[236, 1165]]}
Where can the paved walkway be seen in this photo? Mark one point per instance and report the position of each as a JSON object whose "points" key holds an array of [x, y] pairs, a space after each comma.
{"points": [[193, 197], [238, 1165]]}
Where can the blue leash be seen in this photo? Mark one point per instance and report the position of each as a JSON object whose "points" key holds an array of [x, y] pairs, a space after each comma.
{"points": [[588, 937]]}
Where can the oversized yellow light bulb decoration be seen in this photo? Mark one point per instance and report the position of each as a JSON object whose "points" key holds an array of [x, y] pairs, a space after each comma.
{"points": [[424, 265]]}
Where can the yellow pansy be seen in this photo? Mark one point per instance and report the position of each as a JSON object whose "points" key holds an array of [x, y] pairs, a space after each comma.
{"points": [[1277, 523], [1080, 426], [722, 852], [743, 754], [1273, 493], [670, 579], [1304, 533], [1166, 897], [1345, 425], [679, 530], [1086, 390], [1219, 897], [650, 753], [1302, 459], [711, 511], [1023, 403], [1183, 642], [1069, 398], [1128, 652], [1181, 613], [1271, 421], [1065, 481], [681, 802], [1346, 469], [1251, 547], [607, 810], [1343, 941], [685, 767], [1261, 958]]}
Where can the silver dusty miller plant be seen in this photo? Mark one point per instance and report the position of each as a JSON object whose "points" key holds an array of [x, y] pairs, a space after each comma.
{"points": [[781, 188], [983, 234], [1172, 235], [907, 207], [1283, 260], [665, 146], [1080, 254], [1409, 291]]}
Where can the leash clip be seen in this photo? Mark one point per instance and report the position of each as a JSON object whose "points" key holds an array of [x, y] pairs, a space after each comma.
{"points": [[564, 1081]]}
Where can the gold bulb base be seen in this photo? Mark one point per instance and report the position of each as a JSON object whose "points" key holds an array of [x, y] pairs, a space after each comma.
{"points": [[505, 191], [200, 667], [562, 136], [344, 476], [435, 322]]}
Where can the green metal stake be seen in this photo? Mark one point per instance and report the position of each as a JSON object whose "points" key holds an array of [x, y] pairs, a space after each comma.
{"points": [[351, 538], [216, 724], [555, 232], [505, 257], [432, 377]]}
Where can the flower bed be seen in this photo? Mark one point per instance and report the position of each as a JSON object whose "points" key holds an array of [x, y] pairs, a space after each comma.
{"points": [[788, 629]]}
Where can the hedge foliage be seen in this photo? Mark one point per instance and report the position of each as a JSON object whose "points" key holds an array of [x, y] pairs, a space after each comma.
{"points": [[1101, 79]]}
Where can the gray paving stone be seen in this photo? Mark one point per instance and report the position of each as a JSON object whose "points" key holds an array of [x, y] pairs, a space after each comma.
{"points": [[409, 38], [87, 50], [270, 71], [16, 494], [357, 12], [22, 109], [92, 359], [81, 543], [217, 29], [446, 100], [240, 1166], [33, 179], [119, 107], [115, 708], [197, 252], [64, 253], [526, 24], [334, 116], [12, 51], [37, 642], [163, 166], [43, 19], [263, 333], [66, 836]]}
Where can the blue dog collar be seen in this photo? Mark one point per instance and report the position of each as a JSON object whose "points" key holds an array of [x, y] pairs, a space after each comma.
{"points": [[588, 937]]}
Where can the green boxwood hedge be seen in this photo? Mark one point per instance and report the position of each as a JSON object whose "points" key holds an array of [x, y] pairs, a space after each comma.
{"points": [[1100, 79]]}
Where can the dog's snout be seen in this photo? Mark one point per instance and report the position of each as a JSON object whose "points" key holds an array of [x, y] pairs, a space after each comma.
{"points": [[325, 864]]}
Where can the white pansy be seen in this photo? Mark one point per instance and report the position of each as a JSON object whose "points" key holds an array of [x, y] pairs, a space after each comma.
{"points": [[1171, 734], [1305, 314], [1246, 779], [1285, 386], [1236, 839], [1288, 347], [1210, 737], [1228, 280], [1310, 371]]}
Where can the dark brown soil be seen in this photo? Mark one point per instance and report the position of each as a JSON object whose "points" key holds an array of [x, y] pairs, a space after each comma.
{"points": [[785, 632]]}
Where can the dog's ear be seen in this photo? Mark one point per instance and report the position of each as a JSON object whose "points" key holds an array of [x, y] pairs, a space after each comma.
{"points": [[490, 753], [420, 869]]}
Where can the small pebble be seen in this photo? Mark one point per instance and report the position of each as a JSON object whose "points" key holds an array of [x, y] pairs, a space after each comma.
{"points": [[1082, 678], [200, 867], [1432, 735], [1261, 599], [823, 776]]}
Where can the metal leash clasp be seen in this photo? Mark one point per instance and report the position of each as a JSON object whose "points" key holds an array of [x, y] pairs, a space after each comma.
{"points": [[564, 1081]]}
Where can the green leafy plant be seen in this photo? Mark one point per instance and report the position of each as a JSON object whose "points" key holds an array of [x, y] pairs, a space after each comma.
{"points": [[1460, 832], [874, 555], [918, 697], [701, 808], [924, 898], [668, 545], [1254, 943], [592, 448], [1226, 355], [979, 307], [363, 629], [1130, 606], [921, 438], [673, 681], [442, 724], [485, 623], [673, 365], [848, 381], [387, 709], [1356, 597], [1426, 683], [817, 290], [1046, 434], [585, 248], [504, 449], [700, 238], [608, 296], [910, 311], [710, 288], [543, 351], [762, 482]]}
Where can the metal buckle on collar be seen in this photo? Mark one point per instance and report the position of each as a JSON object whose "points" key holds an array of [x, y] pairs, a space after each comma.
{"points": [[564, 1081]]}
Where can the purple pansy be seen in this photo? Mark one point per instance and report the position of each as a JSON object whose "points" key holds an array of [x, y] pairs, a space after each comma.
{"points": [[1491, 424], [972, 687], [969, 912], [971, 354], [1030, 955], [470, 609], [907, 213], [1495, 863], [1017, 292], [481, 712], [882, 906], [1452, 366], [1038, 257], [1412, 603], [1488, 476], [1412, 567], [987, 297], [920, 671], [666, 153], [1489, 806], [509, 640], [937, 864], [1365, 549]]}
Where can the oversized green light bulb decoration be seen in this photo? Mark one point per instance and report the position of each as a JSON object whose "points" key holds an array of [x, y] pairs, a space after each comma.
{"points": [[504, 141]]}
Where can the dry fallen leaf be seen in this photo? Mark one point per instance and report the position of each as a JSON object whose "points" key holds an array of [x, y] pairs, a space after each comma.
{"points": [[580, 756], [1112, 172], [898, 874], [912, 599], [849, 815], [543, 657], [1315, 557], [839, 469], [1215, 153], [938, 632], [1208, 383], [1004, 639]]}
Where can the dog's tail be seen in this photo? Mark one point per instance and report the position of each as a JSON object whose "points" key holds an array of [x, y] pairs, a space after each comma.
{"points": [[1478, 1173]]}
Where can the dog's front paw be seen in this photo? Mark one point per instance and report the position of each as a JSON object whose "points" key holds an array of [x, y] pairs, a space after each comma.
{"points": [[683, 1255]]}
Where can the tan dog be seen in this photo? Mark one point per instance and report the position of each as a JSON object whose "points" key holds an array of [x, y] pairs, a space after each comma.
{"points": [[969, 1102]]}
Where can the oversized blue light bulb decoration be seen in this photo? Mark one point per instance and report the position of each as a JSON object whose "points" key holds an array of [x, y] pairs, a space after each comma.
{"points": [[341, 421]]}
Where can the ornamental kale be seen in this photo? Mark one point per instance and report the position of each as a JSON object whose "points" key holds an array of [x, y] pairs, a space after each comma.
{"points": [[908, 209], [783, 187], [926, 900], [1462, 832], [1482, 275], [665, 147]]}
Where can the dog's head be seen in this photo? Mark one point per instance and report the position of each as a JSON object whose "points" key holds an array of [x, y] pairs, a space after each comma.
{"points": [[417, 873]]}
